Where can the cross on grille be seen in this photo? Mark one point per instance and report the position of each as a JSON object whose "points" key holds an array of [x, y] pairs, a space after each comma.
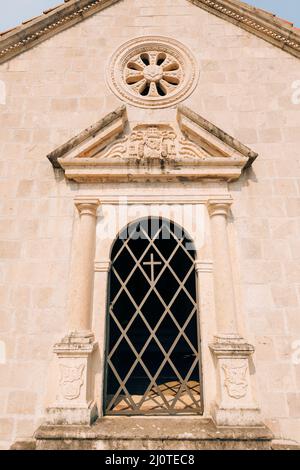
{"points": [[152, 264]]}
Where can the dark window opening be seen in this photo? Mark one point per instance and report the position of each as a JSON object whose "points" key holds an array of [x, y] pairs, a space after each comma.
{"points": [[153, 351]]}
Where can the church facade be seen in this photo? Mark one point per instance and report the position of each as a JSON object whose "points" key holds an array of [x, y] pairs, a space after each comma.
{"points": [[150, 227]]}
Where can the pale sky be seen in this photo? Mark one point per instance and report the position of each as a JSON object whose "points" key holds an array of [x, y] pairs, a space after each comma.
{"points": [[14, 12]]}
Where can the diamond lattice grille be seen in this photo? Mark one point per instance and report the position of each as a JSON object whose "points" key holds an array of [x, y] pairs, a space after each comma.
{"points": [[153, 360]]}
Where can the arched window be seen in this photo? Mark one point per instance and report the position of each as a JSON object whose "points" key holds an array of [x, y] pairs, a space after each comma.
{"points": [[153, 342]]}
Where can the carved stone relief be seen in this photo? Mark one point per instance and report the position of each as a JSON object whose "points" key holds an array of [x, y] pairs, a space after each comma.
{"points": [[152, 142], [71, 381], [145, 143], [155, 142], [235, 380]]}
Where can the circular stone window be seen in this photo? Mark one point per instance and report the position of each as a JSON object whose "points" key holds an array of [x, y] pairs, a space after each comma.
{"points": [[152, 72]]}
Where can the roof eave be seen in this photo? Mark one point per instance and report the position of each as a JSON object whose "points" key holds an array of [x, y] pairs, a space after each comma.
{"points": [[40, 28], [279, 33]]}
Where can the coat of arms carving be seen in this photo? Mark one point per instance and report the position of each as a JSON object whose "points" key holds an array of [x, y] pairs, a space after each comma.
{"points": [[152, 143], [71, 381], [146, 143], [235, 380]]}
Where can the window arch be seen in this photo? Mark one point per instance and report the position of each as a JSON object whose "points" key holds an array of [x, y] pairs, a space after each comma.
{"points": [[153, 341]]}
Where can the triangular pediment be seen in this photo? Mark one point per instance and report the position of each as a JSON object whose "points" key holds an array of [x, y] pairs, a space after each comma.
{"points": [[211, 138], [263, 24], [114, 150]]}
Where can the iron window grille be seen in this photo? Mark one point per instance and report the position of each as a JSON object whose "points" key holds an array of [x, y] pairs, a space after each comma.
{"points": [[153, 363]]}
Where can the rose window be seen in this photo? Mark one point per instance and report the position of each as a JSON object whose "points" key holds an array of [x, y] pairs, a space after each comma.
{"points": [[152, 72]]}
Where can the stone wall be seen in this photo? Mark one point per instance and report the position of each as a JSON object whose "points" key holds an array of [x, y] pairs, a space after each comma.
{"points": [[57, 89]]}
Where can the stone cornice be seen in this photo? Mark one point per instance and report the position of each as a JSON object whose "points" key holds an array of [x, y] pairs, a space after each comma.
{"points": [[54, 20], [265, 25], [101, 125], [186, 117]]}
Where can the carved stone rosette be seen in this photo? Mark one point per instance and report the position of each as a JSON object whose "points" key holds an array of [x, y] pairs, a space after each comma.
{"points": [[235, 404], [74, 404], [152, 72]]}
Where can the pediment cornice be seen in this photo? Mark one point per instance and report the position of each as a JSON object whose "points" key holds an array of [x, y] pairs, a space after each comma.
{"points": [[190, 148], [100, 129]]}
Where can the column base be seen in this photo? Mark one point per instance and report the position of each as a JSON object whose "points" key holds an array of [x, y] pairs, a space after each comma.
{"points": [[236, 416], [235, 404], [74, 402], [72, 415]]}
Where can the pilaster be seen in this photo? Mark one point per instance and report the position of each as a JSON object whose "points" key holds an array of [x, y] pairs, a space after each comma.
{"points": [[235, 404], [74, 403]]}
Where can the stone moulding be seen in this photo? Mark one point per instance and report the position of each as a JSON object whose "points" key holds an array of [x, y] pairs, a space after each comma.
{"points": [[191, 148], [118, 114], [102, 266], [278, 32], [190, 120]]}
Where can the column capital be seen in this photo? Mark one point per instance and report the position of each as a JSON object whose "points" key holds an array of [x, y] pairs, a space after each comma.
{"points": [[219, 206], [87, 205]]}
